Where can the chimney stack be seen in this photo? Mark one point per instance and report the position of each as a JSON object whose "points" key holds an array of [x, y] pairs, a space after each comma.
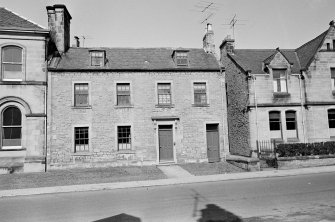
{"points": [[227, 45], [77, 42], [208, 39], [59, 26]]}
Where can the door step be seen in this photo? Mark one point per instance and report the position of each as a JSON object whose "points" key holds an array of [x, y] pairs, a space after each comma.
{"points": [[166, 163]]}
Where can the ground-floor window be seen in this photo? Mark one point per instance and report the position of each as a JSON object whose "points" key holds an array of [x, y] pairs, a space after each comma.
{"points": [[331, 118], [11, 127], [81, 143], [124, 137], [291, 124], [275, 124]]}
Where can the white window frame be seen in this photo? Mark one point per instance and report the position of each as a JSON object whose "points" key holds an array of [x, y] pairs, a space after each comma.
{"points": [[282, 80], [74, 139], [131, 93], [207, 92], [172, 92], [89, 94], [23, 61], [131, 137]]}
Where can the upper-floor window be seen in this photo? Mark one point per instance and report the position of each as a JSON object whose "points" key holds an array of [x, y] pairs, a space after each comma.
{"points": [[81, 94], [279, 80], [97, 58], [11, 127], [331, 118], [12, 63], [164, 93], [328, 46], [81, 139], [332, 73], [123, 94], [200, 97], [181, 57]]}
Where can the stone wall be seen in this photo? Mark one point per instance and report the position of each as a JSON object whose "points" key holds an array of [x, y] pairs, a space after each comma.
{"points": [[237, 108], [29, 96], [103, 116]]}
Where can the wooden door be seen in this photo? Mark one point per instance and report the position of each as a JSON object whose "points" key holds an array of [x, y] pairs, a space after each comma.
{"points": [[165, 136], [213, 142]]}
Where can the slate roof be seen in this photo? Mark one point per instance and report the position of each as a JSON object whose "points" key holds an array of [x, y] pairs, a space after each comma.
{"points": [[11, 20], [253, 59], [136, 59], [307, 51]]}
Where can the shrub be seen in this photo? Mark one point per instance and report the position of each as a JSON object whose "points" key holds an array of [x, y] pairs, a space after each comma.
{"points": [[305, 149]]}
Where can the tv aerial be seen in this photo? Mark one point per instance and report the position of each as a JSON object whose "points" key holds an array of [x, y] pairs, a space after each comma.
{"points": [[234, 22]]}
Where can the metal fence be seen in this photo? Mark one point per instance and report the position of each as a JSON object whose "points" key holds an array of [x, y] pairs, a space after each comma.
{"points": [[266, 147]]}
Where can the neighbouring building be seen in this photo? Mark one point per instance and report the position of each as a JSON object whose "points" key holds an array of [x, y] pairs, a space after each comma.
{"points": [[281, 95], [23, 88], [123, 106]]}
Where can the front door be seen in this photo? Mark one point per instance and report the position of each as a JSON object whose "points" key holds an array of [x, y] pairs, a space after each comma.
{"points": [[213, 146], [165, 140]]}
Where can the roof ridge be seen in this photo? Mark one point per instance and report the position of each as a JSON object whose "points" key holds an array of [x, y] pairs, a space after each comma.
{"points": [[24, 18], [104, 47]]}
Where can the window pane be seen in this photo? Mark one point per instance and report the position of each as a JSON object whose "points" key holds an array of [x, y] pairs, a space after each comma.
{"points": [[274, 120], [81, 94], [331, 118], [81, 139], [124, 137], [12, 54], [332, 71], [12, 67], [283, 85], [12, 117]]}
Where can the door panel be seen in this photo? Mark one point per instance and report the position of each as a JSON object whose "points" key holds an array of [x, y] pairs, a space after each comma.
{"points": [[165, 136], [213, 145]]}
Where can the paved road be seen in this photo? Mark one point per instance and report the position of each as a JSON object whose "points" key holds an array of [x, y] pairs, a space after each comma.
{"points": [[298, 198]]}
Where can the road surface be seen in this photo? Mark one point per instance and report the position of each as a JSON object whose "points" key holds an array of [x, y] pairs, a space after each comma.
{"points": [[296, 198]]}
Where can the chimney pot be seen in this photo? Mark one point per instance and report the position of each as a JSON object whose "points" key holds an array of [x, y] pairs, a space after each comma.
{"points": [[208, 39]]}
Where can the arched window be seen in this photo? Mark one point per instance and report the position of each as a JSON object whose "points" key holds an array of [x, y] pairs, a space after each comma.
{"points": [[11, 127], [12, 63]]}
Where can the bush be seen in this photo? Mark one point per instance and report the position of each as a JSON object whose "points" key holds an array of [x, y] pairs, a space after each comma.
{"points": [[305, 149]]}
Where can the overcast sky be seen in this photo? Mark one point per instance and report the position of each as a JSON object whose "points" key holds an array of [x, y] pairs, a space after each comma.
{"points": [[177, 23]]}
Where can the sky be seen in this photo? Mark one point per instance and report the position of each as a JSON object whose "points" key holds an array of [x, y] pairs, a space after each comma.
{"points": [[177, 23]]}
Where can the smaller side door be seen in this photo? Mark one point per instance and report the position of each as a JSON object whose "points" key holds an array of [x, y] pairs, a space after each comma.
{"points": [[213, 142]]}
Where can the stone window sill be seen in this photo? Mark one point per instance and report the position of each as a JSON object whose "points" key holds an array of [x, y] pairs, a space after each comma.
{"points": [[164, 106], [201, 105], [292, 140], [126, 151], [81, 154], [281, 94], [123, 107], [81, 107]]}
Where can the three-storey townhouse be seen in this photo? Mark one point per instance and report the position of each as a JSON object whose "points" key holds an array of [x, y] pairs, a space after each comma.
{"points": [[23, 88], [123, 106]]}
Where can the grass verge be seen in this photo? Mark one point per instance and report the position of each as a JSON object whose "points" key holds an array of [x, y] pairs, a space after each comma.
{"points": [[79, 176], [199, 169]]}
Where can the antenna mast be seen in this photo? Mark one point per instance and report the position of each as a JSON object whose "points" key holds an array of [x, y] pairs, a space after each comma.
{"points": [[233, 22]]}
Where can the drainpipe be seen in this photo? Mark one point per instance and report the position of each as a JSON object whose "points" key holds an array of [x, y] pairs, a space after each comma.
{"points": [[46, 118], [224, 111], [301, 77]]}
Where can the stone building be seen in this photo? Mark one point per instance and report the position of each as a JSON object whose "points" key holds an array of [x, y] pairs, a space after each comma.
{"points": [[23, 88], [282, 95], [123, 106]]}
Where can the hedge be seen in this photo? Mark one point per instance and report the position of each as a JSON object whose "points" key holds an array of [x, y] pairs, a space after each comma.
{"points": [[305, 149]]}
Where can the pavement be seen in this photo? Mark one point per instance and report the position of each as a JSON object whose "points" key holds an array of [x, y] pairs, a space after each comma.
{"points": [[175, 177]]}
